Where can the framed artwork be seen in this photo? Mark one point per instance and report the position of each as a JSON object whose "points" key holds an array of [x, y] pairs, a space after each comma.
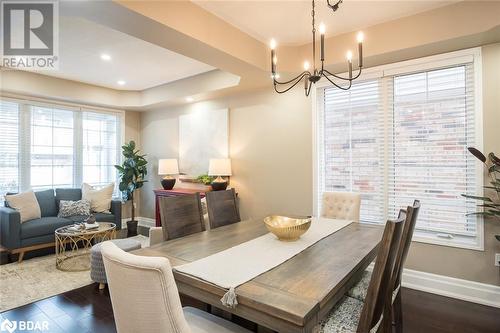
{"points": [[202, 135]]}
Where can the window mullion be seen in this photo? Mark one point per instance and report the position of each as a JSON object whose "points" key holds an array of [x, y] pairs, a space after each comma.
{"points": [[24, 147], [77, 149]]}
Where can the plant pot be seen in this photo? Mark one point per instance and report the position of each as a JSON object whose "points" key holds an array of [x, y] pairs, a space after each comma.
{"points": [[131, 228]]}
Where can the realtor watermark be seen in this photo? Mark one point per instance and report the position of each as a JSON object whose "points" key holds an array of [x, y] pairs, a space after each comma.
{"points": [[12, 326], [30, 34]]}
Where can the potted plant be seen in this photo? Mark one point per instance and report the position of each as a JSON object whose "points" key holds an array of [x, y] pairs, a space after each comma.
{"points": [[205, 179], [491, 203], [132, 173]]}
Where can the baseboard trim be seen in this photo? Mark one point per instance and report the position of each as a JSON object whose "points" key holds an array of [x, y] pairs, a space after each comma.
{"points": [[465, 290], [142, 221]]}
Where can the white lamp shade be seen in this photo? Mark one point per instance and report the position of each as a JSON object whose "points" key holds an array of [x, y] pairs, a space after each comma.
{"points": [[168, 166], [219, 167]]}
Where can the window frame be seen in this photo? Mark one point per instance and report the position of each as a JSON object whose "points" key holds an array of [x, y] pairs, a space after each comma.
{"points": [[25, 102], [444, 60]]}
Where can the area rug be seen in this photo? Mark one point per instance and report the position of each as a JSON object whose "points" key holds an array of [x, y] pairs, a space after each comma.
{"points": [[38, 278]]}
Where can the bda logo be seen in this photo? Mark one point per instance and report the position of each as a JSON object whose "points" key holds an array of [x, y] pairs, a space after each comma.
{"points": [[8, 325]]}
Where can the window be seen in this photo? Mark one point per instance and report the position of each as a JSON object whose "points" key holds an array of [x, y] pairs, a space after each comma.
{"points": [[402, 134], [49, 146]]}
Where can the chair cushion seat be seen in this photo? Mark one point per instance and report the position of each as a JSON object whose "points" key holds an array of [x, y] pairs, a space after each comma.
{"points": [[204, 322], [42, 226], [344, 318], [360, 289]]}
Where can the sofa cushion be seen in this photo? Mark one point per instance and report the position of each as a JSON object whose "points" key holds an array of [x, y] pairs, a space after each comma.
{"points": [[73, 208], [47, 201], [100, 198], [26, 204], [99, 217], [70, 194], [42, 226]]}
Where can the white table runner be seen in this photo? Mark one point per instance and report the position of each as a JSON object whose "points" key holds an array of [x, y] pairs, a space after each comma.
{"points": [[239, 264]]}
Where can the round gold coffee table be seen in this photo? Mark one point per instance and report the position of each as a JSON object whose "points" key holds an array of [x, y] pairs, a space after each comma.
{"points": [[73, 247]]}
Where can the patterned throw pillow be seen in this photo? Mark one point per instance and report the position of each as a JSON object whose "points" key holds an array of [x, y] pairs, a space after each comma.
{"points": [[73, 208]]}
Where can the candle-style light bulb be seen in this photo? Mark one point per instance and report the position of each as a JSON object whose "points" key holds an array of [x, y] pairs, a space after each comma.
{"points": [[322, 28], [349, 56], [361, 38], [275, 60], [273, 44], [306, 65]]}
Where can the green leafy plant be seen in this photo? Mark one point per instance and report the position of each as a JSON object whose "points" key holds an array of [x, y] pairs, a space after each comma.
{"points": [[205, 179], [490, 204], [132, 173]]}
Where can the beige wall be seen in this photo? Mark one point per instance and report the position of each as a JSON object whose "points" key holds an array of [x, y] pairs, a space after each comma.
{"points": [[271, 151], [270, 148]]}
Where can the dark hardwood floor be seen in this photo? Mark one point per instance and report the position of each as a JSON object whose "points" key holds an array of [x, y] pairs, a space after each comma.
{"points": [[89, 310]]}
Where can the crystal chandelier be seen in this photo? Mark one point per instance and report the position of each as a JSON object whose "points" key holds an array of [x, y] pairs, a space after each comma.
{"points": [[310, 77]]}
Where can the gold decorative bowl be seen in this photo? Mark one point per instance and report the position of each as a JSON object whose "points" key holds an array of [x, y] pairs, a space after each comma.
{"points": [[287, 229]]}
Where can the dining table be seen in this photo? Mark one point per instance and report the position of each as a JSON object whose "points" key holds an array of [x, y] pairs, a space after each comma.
{"points": [[291, 297]]}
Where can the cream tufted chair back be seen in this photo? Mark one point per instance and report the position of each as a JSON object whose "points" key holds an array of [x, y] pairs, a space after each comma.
{"points": [[341, 205]]}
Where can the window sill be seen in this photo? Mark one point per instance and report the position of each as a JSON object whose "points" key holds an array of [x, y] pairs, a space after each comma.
{"points": [[462, 242]]}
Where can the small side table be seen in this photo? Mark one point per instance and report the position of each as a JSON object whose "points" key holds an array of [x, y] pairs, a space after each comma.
{"points": [[77, 257], [173, 193]]}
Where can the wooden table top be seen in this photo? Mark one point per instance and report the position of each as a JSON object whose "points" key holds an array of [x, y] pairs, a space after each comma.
{"points": [[292, 297]]}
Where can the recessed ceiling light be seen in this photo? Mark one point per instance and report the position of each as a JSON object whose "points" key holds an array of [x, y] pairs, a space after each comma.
{"points": [[189, 99], [105, 57], [121, 82]]}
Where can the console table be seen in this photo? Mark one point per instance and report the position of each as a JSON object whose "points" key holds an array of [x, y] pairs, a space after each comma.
{"points": [[173, 193]]}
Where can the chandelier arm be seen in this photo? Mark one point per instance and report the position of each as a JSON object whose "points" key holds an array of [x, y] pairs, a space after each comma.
{"points": [[336, 85], [341, 77], [299, 78]]}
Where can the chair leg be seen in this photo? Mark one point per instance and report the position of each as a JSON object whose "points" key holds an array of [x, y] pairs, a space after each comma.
{"points": [[21, 256], [397, 313]]}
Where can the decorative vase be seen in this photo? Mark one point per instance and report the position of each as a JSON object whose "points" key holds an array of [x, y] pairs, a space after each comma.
{"points": [[131, 228], [219, 186], [168, 183]]}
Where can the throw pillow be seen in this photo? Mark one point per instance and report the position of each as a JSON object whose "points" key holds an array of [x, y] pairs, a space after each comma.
{"points": [[100, 199], [26, 204], [73, 208]]}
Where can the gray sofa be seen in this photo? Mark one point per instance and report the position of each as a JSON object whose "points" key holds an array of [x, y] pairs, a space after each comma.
{"points": [[36, 234]]}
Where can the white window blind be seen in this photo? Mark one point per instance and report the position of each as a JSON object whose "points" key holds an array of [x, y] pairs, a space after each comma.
{"points": [[353, 142], [100, 147], [433, 124], [49, 146], [9, 148], [404, 136]]}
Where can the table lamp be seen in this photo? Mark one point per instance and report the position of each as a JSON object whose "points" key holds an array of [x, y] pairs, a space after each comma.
{"points": [[219, 167], [168, 167]]}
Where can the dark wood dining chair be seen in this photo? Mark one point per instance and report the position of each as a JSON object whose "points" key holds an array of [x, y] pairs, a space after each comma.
{"points": [[359, 291], [404, 246], [181, 216], [353, 315], [222, 208]]}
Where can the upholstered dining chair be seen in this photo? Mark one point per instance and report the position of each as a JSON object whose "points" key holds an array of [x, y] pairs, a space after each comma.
{"points": [[222, 208], [145, 298], [359, 291], [353, 315], [341, 205]]}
